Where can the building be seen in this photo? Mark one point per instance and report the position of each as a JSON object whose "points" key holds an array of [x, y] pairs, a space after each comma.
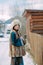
{"points": [[34, 30]]}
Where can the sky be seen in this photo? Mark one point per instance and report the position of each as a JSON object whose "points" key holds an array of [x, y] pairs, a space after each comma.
{"points": [[11, 8]]}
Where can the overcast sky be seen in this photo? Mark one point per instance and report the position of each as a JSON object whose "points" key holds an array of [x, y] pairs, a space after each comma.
{"points": [[11, 8]]}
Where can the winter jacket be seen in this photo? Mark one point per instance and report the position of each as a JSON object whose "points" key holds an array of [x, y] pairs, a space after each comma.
{"points": [[14, 40]]}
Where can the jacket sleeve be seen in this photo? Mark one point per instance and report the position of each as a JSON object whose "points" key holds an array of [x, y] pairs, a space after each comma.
{"points": [[13, 38]]}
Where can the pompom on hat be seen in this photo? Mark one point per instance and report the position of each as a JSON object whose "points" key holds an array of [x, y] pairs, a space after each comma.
{"points": [[15, 22]]}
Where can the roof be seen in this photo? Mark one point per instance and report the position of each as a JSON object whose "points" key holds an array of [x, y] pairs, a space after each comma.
{"points": [[32, 11]]}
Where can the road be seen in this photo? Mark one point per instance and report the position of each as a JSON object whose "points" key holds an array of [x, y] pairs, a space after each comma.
{"points": [[4, 54]]}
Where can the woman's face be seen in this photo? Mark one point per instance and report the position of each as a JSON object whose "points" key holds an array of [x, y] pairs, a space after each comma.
{"points": [[17, 27]]}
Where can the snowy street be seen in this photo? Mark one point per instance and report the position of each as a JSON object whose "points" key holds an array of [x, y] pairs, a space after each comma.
{"points": [[4, 54]]}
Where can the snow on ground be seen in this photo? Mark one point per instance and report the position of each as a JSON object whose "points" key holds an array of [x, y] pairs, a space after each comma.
{"points": [[28, 59], [4, 54]]}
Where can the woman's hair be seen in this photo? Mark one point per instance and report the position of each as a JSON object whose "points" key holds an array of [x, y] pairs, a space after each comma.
{"points": [[16, 25]]}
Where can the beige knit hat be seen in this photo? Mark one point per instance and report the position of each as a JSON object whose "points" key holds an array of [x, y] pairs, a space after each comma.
{"points": [[15, 22]]}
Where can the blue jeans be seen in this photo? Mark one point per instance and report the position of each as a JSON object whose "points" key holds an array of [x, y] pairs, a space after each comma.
{"points": [[18, 61]]}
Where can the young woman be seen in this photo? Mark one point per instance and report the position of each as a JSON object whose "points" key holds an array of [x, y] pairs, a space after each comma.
{"points": [[16, 46]]}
